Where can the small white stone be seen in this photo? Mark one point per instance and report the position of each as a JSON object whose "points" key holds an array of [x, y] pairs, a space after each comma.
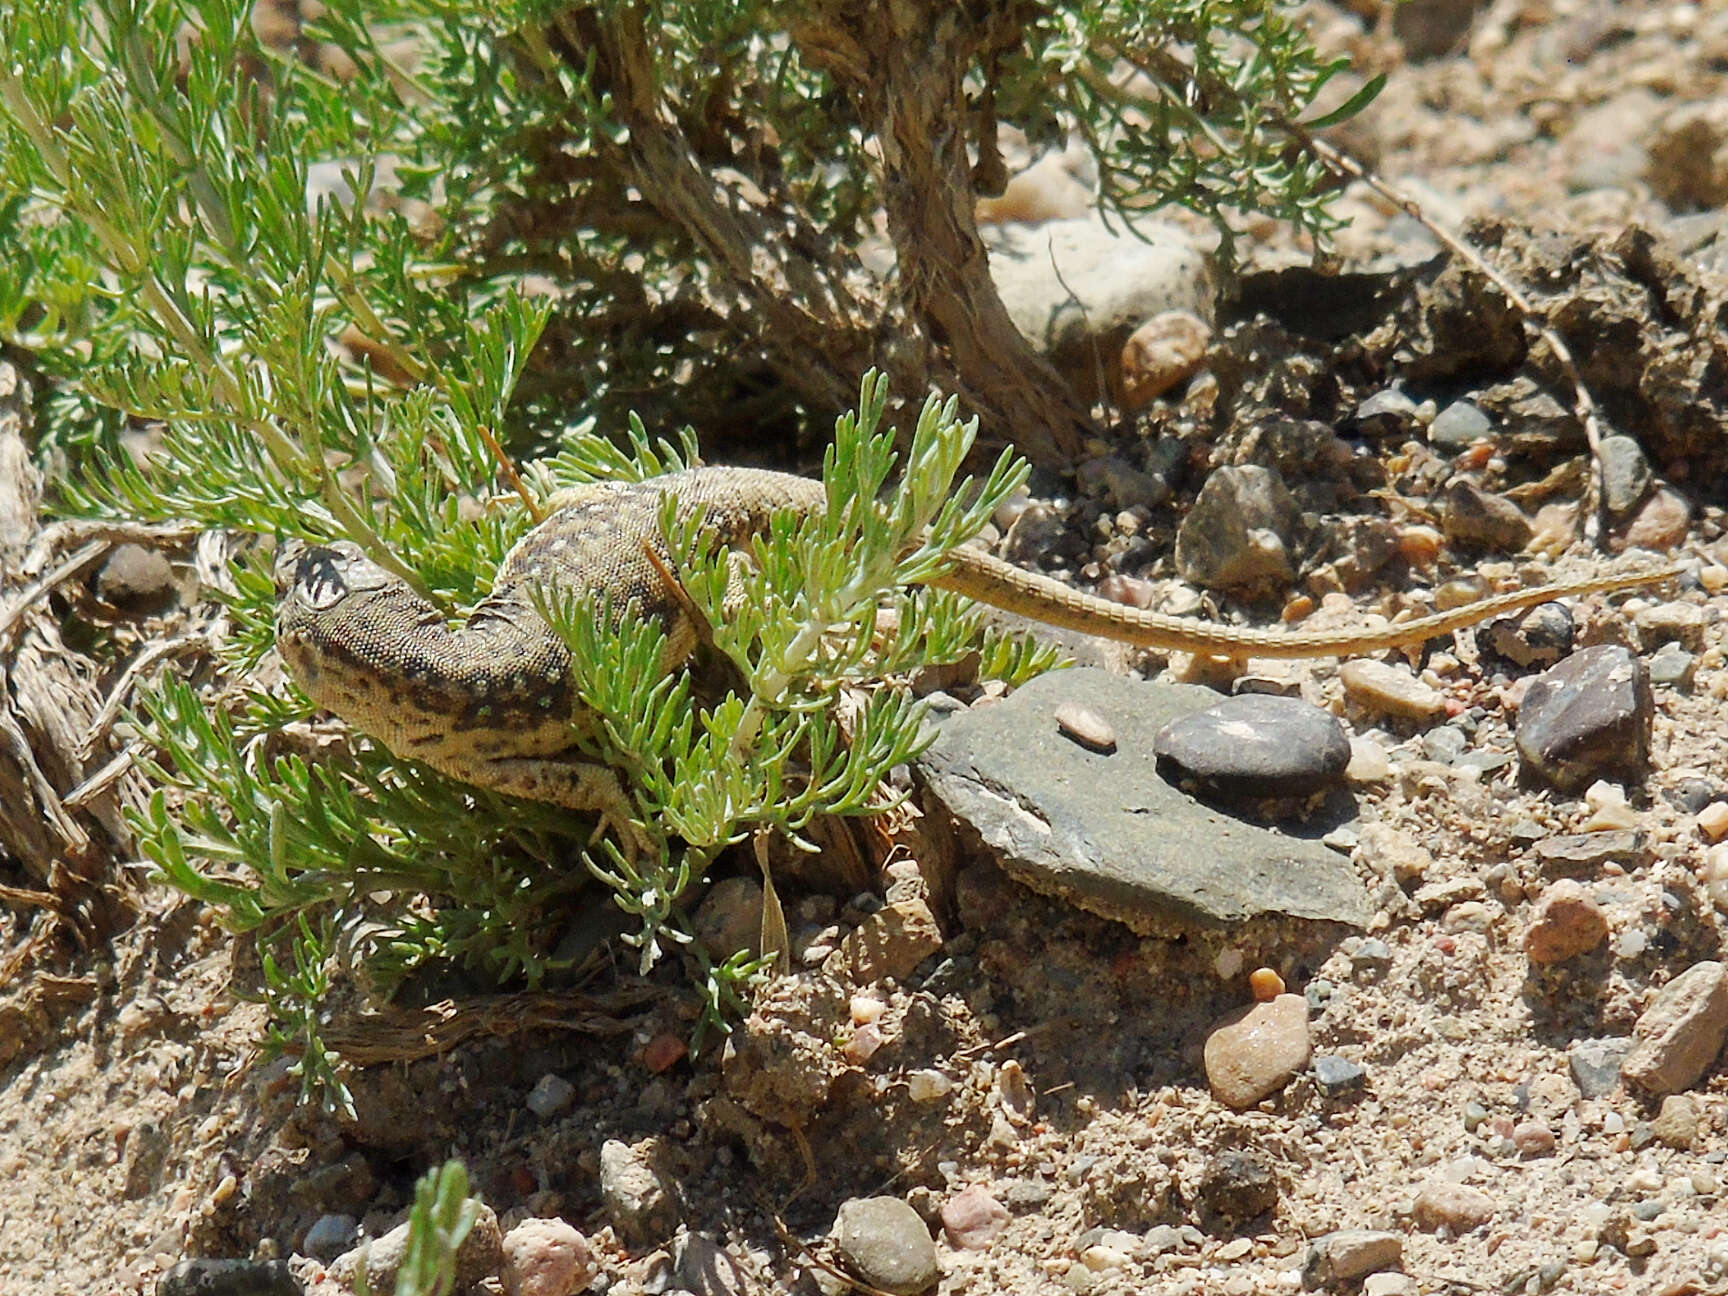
{"points": [[1716, 875], [928, 1085], [1645, 1179], [1713, 821], [1100, 1259], [1368, 762]]}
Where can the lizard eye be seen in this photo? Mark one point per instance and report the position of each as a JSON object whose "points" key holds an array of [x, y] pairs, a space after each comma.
{"points": [[321, 578]]}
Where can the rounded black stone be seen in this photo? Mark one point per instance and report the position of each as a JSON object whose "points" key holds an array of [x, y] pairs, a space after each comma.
{"points": [[1255, 746]]}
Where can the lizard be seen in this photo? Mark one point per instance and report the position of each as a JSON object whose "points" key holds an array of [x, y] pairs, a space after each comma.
{"points": [[491, 702]]}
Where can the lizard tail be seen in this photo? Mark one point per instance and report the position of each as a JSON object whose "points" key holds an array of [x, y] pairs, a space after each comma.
{"points": [[990, 580]]}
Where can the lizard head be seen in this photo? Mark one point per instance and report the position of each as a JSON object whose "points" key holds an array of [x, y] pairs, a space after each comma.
{"points": [[322, 593]]}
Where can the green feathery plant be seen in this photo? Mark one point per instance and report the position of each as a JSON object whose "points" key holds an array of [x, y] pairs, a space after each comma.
{"points": [[439, 1222], [325, 297]]}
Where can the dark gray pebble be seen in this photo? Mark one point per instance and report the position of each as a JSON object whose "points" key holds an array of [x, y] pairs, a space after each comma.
{"points": [[1337, 1076], [1587, 718], [1459, 424], [1595, 1065], [1255, 746]]}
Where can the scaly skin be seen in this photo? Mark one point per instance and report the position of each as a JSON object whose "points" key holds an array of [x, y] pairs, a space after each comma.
{"points": [[491, 702]]}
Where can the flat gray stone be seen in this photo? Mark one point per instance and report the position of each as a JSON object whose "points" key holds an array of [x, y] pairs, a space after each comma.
{"points": [[1106, 832]]}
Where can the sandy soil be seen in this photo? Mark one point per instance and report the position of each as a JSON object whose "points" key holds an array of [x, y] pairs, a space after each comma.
{"points": [[137, 1126]]}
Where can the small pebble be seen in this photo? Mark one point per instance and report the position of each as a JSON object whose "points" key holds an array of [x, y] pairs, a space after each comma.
{"points": [[1372, 955], [1390, 690], [1348, 1254], [1452, 1206], [928, 1085], [1680, 1033], [1368, 762], [1256, 1051], [1472, 516], [1586, 719], [1583, 854], [1660, 525], [1086, 727], [1676, 1124], [635, 1197], [1336, 1076], [552, 1095], [1536, 638], [972, 1218], [329, 1236], [665, 1051], [547, 1257], [1595, 1066], [1458, 425], [1102, 1259], [1713, 821], [1265, 984], [1014, 1091], [1626, 474], [1235, 1187], [1255, 745], [864, 1044], [1533, 1138], [1167, 349], [1671, 666], [1715, 873], [1420, 545], [1567, 923], [882, 1241]]}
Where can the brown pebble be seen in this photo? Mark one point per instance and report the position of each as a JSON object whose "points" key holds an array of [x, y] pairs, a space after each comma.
{"points": [[1167, 349], [1661, 522], [1452, 1206], [1533, 1138], [1676, 1125], [664, 1052], [1681, 1031], [1257, 1050], [1419, 545], [1130, 591], [546, 1257], [1567, 923], [889, 943], [1086, 727], [1265, 984], [1390, 690]]}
